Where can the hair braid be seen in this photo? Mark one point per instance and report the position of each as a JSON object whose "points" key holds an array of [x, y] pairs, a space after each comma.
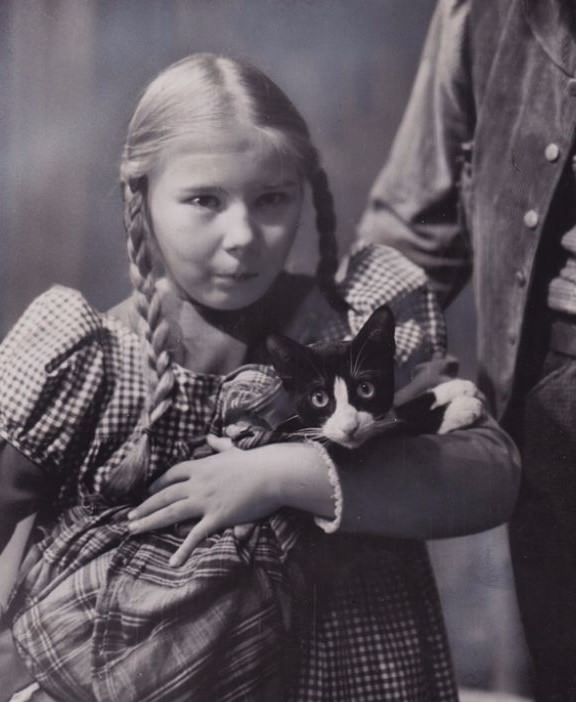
{"points": [[328, 244], [130, 477], [199, 98]]}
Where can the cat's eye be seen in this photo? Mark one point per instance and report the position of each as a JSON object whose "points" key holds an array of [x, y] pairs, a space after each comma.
{"points": [[366, 390], [319, 399]]}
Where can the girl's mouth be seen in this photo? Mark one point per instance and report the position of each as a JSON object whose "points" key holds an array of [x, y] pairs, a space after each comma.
{"points": [[237, 276]]}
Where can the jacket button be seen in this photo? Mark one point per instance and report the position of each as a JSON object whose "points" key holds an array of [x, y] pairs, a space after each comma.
{"points": [[531, 219], [552, 152], [520, 278], [512, 339], [572, 87]]}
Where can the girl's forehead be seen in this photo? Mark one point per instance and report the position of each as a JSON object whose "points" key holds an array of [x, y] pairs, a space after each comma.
{"points": [[227, 154], [222, 136]]}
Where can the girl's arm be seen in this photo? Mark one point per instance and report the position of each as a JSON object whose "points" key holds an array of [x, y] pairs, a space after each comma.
{"points": [[21, 486], [11, 557], [430, 487], [410, 487]]}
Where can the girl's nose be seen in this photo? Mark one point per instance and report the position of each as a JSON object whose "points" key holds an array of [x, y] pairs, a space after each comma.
{"points": [[240, 230]]}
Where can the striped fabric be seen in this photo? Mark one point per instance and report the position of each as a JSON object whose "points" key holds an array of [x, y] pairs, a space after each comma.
{"points": [[290, 613], [562, 288]]}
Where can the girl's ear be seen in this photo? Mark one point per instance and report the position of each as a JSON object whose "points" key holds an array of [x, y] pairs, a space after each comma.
{"points": [[376, 338], [293, 361]]}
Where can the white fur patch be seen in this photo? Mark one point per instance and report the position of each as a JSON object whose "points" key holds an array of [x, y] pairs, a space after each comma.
{"points": [[346, 425], [463, 404], [451, 389], [461, 412]]}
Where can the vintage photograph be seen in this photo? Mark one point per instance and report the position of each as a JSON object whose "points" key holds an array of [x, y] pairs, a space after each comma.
{"points": [[287, 333]]}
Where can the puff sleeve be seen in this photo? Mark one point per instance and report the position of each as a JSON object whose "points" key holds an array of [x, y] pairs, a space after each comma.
{"points": [[51, 372], [375, 275]]}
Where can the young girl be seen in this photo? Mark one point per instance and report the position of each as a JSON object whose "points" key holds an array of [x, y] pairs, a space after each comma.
{"points": [[96, 407]]}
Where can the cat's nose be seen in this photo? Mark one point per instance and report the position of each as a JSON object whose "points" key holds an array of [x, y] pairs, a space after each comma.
{"points": [[349, 424]]}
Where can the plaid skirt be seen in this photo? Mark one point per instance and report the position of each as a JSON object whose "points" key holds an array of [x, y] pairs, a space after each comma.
{"points": [[289, 614]]}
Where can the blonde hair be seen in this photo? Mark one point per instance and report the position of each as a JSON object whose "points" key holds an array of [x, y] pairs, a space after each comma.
{"points": [[192, 98]]}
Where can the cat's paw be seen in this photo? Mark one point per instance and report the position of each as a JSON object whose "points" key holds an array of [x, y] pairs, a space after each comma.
{"points": [[462, 411], [450, 390]]}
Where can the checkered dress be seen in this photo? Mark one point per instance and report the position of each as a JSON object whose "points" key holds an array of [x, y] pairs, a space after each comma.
{"points": [[290, 614]]}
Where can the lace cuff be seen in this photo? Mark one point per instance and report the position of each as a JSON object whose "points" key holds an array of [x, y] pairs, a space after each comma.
{"points": [[329, 526]]}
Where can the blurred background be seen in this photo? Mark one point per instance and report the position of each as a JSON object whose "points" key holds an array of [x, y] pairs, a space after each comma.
{"points": [[70, 74]]}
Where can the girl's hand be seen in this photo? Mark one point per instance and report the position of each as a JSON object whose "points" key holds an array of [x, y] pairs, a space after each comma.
{"points": [[235, 487], [223, 490]]}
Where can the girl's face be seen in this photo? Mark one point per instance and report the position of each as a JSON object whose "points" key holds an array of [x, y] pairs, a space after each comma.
{"points": [[224, 215]]}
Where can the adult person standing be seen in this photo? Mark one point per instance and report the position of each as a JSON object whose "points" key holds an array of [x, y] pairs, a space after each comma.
{"points": [[483, 169]]}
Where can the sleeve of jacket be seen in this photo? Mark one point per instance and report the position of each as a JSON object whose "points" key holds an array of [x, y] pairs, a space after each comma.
{"points": [[416, 202]]}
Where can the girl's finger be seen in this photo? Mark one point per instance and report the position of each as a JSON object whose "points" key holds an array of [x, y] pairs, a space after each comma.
{"points": [[169, 495], [243, 532], [205, 528], [184, 528], [177, 474], [174, 513], [219, 443]]}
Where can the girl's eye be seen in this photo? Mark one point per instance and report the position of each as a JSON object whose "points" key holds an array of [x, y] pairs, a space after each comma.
{"points": [[273, 199], [209, 202], [365, 390], [319, 399]]}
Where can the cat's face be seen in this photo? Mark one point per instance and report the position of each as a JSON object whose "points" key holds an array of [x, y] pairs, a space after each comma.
{"points": [[341, 389]]}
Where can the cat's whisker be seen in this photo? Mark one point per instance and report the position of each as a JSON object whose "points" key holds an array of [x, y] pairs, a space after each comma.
{"points": [[314, 435], [289, 419], [386, 423], [320, 438], [317, 437], [358, 358], [310, 432], [354, 365]]}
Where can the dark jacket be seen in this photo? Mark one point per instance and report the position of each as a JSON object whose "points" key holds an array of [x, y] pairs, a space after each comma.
{"points": [[477, 161]]}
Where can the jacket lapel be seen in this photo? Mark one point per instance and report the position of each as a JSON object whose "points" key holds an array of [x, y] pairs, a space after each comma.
{"points": [[552, 23]]}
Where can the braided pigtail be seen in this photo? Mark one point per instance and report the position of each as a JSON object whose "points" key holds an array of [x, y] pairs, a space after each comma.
{"points": [[130, 477], [328, 244], [198, 98]]}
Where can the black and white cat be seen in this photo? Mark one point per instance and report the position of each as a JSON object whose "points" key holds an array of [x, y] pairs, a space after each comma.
{"points": [[343, 391]]}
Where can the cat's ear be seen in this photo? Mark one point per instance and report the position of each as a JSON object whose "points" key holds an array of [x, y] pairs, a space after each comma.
{"points": [[292, 361], [376, 338]]}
